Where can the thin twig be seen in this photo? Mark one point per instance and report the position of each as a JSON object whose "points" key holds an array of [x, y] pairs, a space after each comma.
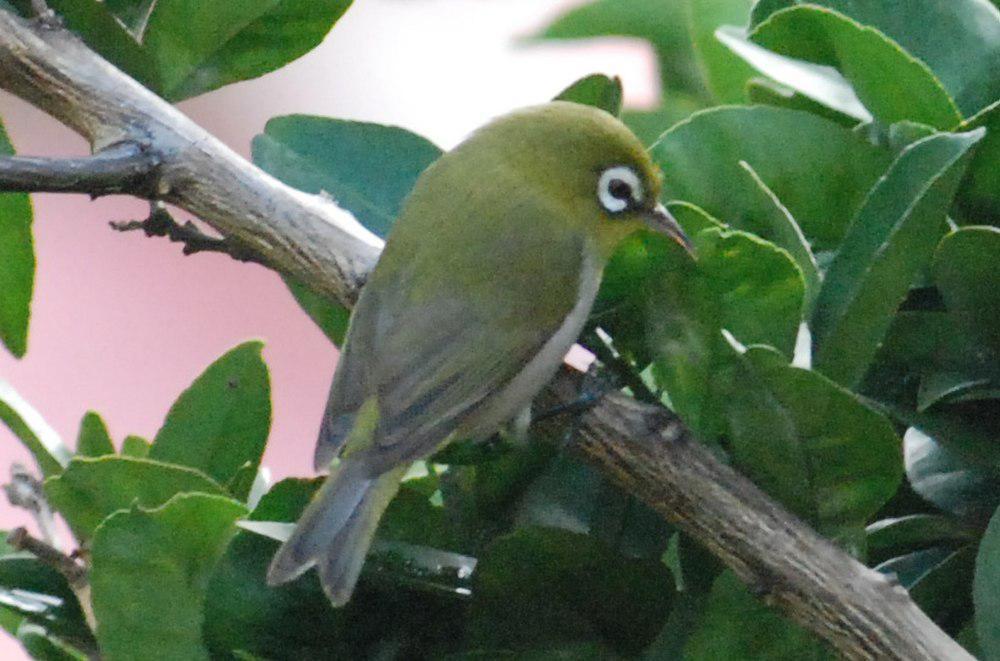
{"points": [[126, 167], [25, 491], [75, 573], [161, 223]]}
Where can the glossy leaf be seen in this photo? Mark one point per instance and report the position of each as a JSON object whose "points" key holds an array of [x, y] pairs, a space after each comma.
{"points": [[42, 596], [700, 161], [811, 444], [725, 74], [200, 46], [367, 168], [823, 86], [44, 647], [221, 421], [28, 425], [966, 275], [17, 255], [107, 35], [946, 480], [93, 439], [785, 233], [150, 574], [986, 589], [867, 58], [892, 537], [91, 489], [740, 283], [928, 30], [540, 587], [761, 634], [595, 90], [979, 196], [890, 240]]}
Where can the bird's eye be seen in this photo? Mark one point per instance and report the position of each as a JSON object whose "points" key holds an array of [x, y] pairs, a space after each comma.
{"points": [[619, 189]]}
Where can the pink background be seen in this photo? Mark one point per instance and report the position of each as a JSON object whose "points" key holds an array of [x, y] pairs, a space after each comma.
{"points": [[122, 323]]}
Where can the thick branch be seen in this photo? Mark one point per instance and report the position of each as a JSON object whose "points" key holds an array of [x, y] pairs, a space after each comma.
{"points": [[304, 235], [127, 167], [852, 607]]}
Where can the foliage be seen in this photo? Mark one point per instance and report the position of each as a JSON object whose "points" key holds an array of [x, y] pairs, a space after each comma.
{"points": [[836, 341]]}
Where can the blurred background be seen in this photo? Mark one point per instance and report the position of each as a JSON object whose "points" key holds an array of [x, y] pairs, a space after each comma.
{"points": [[121, 323]]}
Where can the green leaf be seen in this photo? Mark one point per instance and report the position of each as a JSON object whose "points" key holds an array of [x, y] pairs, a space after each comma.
{"points": [[890, 240], [221, 421], [914, 532], [93, 439], [700, 161], [107, 35], [331, 317], [540, 587], [890, 82], [928, 30], [662, 24], [739, 283], [939, 581], [979, 194], [90, 489], [296, 621], [785, 233], [243, 612], [150, 575], [30, 428], [45, 647], [135, 446], [986, 589], [596, 90], [726, 75], [369, 169], [811, 444], [762, 633], [966, 275], [41, 595], [134, 14], [17, 254], [943, 478], [800, 85], [766, 92], [200, 46]]}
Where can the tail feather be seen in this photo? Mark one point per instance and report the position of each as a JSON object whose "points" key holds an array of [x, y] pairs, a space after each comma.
{"points": [[323, 519], [336, 530], [341, 565]]}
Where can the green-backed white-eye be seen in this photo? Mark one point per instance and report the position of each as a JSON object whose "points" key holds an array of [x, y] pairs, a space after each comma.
{"points": [[485, 282]]}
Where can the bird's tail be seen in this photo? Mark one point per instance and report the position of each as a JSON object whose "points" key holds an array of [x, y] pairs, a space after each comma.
{"points": [[336, 529]]}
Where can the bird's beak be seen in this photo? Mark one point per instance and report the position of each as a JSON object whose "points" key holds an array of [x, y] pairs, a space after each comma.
{"points": [[659, 220]]}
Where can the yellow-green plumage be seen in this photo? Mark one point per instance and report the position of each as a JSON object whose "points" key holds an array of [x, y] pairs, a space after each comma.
{"points": [[484, 284]]}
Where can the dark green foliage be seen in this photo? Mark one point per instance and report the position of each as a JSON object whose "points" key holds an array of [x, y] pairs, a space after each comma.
{"points": [[17, 257], [837, 341]]}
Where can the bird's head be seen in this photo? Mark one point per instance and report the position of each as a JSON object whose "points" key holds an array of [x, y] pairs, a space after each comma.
{"points": [[591, 164]]}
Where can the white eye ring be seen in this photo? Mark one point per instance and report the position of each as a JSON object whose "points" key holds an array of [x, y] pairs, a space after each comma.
{"points": [[613, 183]]}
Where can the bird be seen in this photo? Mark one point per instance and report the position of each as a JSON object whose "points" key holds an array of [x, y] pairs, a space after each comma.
{"points": [[486, 280]]}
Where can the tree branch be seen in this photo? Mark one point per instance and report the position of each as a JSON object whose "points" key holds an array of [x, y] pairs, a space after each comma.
{"points": [[644, 449], [126, 167], [161, 223]]}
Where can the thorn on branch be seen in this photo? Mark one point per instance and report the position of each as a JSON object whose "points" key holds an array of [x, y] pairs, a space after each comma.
{"points": [[161, 223]]}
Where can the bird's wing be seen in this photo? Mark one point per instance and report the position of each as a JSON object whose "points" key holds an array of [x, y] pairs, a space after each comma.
{"points": [[430, 365]]}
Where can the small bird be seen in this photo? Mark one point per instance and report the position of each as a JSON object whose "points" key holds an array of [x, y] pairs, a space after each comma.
{"points": [[484, 284]]}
